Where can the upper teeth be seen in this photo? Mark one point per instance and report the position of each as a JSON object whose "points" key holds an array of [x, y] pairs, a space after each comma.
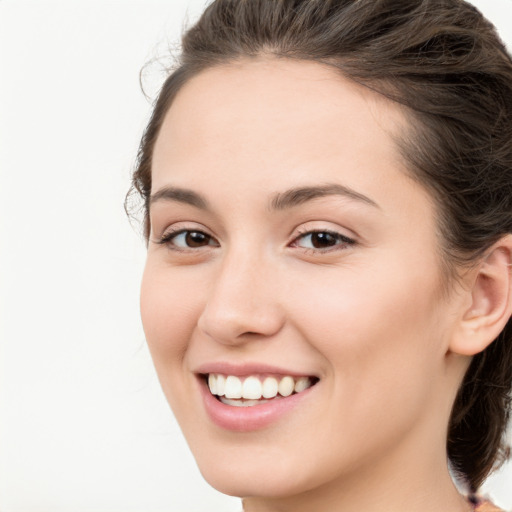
{"points": [[253, 388]]}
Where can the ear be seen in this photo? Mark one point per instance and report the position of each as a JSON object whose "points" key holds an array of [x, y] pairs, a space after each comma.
{"points": [[490, 299]]}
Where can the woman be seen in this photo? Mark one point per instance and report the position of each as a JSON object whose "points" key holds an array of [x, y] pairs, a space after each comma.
{"points": [[328, 208]]}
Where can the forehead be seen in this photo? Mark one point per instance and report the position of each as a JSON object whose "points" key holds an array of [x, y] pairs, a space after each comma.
{"points": [[268, 111]]}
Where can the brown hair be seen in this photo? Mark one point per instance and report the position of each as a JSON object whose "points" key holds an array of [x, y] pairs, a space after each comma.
{"points": [[442, 60]]}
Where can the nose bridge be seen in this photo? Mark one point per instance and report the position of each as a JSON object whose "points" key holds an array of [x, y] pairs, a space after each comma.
{"points": [[242, 298]]}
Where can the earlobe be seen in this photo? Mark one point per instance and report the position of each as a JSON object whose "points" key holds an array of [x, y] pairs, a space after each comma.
{"points": [[490, 307]]}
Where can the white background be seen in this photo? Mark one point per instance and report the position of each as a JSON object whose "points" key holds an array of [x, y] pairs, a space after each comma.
{"points": [[83, 423]]}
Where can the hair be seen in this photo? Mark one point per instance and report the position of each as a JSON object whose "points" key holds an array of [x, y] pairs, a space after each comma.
{"points": [[442, 61]]}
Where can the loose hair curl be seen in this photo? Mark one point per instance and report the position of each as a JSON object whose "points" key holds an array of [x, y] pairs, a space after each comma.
{"points": [[445, 63]]}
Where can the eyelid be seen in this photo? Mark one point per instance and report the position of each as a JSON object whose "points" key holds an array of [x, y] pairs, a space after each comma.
{"points": [[179, 225], [343, 241], [174, 230], [183, 227], [323, 227]]}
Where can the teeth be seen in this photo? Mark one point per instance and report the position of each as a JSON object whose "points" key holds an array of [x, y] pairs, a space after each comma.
{"points": [[221, 385], [233, 387], [243, 402], [286, 386], [302, 384], [270, 387], [252, 390], [212, 384]]}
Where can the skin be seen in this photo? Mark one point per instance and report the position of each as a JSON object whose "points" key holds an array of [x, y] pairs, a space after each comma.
{"points": [[371, 318]]}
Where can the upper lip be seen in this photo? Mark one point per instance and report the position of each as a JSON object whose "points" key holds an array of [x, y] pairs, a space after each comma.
{"points": [[246, 369]]}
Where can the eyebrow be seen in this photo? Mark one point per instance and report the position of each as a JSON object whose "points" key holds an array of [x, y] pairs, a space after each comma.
{"points": [[180, 195], [300, 195], [281, 201]]}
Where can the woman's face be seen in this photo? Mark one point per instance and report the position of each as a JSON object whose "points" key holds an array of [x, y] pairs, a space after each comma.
{"points": [[288, 241]]}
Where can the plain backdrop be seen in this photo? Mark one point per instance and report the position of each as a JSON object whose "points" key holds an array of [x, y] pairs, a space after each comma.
{"points": [[84, 425]]}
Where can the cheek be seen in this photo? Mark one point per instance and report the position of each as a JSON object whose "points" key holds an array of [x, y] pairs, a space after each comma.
{"points": [[381, 334], [367, 309], [169, 310]]}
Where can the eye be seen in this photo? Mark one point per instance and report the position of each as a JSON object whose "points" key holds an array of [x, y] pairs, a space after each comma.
{"points": [[187, 239], [322, 240]]}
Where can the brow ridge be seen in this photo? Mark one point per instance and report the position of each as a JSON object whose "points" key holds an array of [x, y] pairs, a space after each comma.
{"points": [[281, 201], [180, 195], [299, 195]]}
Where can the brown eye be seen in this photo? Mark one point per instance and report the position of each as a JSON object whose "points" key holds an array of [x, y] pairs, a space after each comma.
{"points": [[196, 239], [188, 239], [318, 240], [322, 240]]}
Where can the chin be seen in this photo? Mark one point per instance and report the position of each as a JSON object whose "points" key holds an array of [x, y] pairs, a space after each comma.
{"points": [[260, 475], [251, 482]]}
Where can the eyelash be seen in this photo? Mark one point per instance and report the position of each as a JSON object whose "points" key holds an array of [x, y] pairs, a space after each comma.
{"points": [[168, 237], [342, 241]]}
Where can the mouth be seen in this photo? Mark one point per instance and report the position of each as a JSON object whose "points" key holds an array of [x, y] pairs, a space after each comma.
{"points": [[255, 390]]}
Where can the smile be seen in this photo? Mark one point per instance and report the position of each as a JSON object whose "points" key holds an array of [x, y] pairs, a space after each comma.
{"points": [[252, 396], [254, 390]]}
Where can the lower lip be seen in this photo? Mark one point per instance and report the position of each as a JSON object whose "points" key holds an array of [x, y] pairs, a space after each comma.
{"points": [[246, 419]]}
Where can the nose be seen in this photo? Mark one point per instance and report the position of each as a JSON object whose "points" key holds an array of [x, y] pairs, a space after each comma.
{"points": [[243, 302]]}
